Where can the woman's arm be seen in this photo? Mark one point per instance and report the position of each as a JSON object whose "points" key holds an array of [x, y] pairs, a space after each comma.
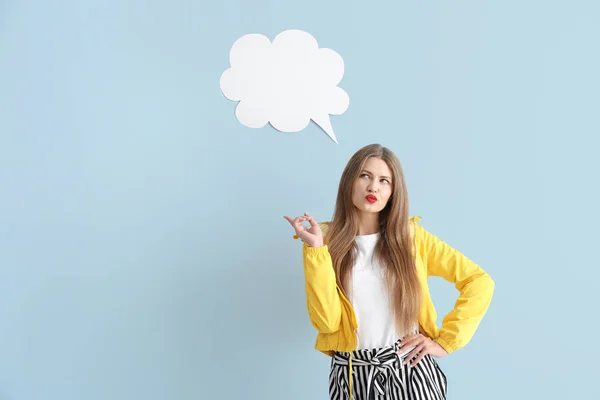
{"points": [[476, 288], [322, 297]]}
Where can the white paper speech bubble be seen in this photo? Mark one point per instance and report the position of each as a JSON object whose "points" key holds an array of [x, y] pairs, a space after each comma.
{"points": [[286, 83]]}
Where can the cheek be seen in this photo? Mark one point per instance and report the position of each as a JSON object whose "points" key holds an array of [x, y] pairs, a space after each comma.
{"points": [[357, 189], [388, 194]]}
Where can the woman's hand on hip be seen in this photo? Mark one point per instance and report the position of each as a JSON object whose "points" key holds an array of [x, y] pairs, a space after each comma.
{"points": [[312, 235], [422, 346]]}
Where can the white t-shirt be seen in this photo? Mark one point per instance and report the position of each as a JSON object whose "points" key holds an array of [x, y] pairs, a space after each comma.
{"points": [[370, 298]]}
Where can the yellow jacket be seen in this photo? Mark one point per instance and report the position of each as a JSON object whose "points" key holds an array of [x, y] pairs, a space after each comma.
{"points": [[332, 314]]}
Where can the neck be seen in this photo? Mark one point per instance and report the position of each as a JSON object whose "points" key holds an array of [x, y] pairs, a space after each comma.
{"points": [[368, 224]]}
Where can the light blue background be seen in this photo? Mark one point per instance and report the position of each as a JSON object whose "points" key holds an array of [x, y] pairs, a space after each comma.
{"points": [[143, 253]]}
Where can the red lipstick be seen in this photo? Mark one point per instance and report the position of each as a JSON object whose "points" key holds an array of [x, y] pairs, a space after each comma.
{"points": [[371, 198]]}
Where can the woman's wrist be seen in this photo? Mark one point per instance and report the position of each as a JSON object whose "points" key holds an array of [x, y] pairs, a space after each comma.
{"points": [[315, 244]]}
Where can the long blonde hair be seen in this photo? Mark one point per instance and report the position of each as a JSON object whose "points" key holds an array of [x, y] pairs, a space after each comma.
{"points": [[394, 249]]}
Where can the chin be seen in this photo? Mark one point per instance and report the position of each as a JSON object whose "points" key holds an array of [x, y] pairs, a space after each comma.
{"points": [[370, 209]]}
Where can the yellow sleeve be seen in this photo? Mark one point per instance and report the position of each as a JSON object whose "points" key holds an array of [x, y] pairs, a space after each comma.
{"points": [[322, 297], [476, 288]]}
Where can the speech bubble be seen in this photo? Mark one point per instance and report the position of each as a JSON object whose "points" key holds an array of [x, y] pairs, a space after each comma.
{"points": [[285, 83]]}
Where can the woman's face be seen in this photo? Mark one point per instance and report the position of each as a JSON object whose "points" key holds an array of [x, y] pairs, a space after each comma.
{"points": [[373, 187]]}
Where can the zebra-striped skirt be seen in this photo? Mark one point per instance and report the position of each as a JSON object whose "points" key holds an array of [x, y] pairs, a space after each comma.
{"points": [[379, 374]]}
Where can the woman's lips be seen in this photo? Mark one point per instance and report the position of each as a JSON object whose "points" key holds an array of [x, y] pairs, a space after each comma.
{"points": [[371, 199]]}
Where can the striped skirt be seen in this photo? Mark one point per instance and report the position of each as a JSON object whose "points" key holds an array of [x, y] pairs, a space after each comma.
{"points": [[379, 374]]}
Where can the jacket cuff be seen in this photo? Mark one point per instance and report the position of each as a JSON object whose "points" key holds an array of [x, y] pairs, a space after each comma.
{"points": [[315, 251], [449, 347]]}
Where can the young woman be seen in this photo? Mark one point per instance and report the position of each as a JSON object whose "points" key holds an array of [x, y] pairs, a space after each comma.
{"points": [[366, 286]]}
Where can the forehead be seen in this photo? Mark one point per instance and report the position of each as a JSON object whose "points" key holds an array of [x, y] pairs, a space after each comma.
{"points": [[377, 166]]}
